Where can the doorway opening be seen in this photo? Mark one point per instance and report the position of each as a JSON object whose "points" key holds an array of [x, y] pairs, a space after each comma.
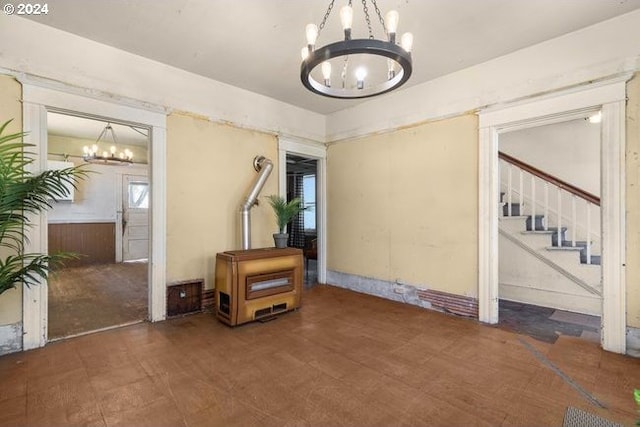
{"points": [[301, 177], [105, 222], [609, 97], [550, 278]]}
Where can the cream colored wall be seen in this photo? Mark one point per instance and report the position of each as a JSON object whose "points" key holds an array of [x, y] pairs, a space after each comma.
{"points": [[209, 172], [633, 202], [10, 108], [404, 206]]}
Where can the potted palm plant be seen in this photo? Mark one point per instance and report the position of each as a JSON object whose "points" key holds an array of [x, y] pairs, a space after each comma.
{"points": [[285, 212], [23, 194]]}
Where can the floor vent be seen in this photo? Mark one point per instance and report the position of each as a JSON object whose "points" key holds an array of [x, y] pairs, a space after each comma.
{"points": [[184, 298]]}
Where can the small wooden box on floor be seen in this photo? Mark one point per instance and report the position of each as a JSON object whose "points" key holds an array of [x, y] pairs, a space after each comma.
{"points": [[257, 283]]}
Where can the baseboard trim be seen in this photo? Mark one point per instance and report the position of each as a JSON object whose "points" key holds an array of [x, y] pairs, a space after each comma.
{"points": [[406, 293], [633, 341]]}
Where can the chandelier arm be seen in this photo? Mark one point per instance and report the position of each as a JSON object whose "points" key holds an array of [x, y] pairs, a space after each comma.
{"points": [[113, 135], [102, 134]]}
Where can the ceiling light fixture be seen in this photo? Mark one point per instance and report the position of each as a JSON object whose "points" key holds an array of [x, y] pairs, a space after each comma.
{"points": [[384, 64], [111, 157]]}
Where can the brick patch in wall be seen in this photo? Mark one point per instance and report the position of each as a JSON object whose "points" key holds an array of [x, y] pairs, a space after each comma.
{"points": [[451, 303]]}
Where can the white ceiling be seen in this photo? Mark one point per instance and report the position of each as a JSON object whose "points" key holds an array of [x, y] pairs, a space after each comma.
{"points": [[255, 44], [90, 129]]}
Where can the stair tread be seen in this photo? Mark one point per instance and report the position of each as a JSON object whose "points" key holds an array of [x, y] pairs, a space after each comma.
{"points": [[579, 243], [563, 248]]}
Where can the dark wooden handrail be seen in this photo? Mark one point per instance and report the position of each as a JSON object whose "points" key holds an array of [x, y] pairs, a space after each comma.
{"points": [[550, 178]]}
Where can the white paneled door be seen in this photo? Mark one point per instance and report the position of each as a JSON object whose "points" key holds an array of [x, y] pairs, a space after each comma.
{"points": [[135, 217]]}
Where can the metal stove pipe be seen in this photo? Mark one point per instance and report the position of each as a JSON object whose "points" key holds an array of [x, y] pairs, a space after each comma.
{"points": [[264, 166]]}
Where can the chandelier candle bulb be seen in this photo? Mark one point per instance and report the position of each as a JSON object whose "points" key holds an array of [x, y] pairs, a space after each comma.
{"points": [[361, 73], [346, 18], [391, 66], [304, 53], [407, 41], [391, 19], [326, 73], [312, 35]]}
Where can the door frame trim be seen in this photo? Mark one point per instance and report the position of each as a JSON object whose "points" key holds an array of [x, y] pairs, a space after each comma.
{"points": [[610, 97], [39, 97], [316, 151]]}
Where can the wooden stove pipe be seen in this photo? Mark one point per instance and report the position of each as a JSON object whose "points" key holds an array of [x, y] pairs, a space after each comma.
{"points": [[264, 166]]}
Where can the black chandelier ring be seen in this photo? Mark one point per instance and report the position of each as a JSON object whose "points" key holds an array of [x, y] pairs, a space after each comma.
{"points": [[351, 47]]}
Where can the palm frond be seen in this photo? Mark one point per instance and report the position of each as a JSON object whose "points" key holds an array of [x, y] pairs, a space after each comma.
{"points": [[28, 268], [23, 194], [285, 211]]}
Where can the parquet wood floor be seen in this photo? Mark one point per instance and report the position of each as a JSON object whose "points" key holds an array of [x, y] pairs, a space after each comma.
{"points": [[88, 298], [343, 359]]}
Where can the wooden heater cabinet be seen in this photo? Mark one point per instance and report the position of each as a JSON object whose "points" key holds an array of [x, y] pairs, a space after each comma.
{"points": [[257, 283]]}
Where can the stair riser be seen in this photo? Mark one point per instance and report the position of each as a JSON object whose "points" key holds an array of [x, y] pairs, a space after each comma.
{"points": [[515, 209], [539, 223]]}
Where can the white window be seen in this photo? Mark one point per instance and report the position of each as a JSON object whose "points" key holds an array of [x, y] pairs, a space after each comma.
{"points": [[309, 196], [138, 195]]}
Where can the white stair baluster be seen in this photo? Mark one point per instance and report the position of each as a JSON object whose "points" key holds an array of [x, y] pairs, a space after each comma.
{"points": [[546, 206], [588, 233], [509, 189], [521, 210], [533, 202], [559, 217], [574, 223]]}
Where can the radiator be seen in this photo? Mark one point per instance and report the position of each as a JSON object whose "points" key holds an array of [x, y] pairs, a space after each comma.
{"points": [[254, 284]]}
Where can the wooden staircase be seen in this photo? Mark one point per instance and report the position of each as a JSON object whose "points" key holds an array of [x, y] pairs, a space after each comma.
{"points": [[546, 257]]}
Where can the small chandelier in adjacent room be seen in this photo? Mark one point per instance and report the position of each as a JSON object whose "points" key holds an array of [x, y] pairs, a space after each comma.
{"points": [[112, 156], [356, 68]]}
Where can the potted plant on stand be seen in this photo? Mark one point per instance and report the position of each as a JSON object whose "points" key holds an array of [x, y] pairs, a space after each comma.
{"points": [[285, 212]]}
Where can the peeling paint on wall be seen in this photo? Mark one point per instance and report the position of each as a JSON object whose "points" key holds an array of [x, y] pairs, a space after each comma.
{"points": [[10, 338]]}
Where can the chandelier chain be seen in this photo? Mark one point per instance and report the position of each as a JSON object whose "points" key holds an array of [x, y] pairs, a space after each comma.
{"points": [[326, 15], [375, 5], [366, 17]]}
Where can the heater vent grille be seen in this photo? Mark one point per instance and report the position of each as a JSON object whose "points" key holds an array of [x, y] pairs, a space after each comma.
{"points": [[225, 304], [263, 312], [262, 285]]}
